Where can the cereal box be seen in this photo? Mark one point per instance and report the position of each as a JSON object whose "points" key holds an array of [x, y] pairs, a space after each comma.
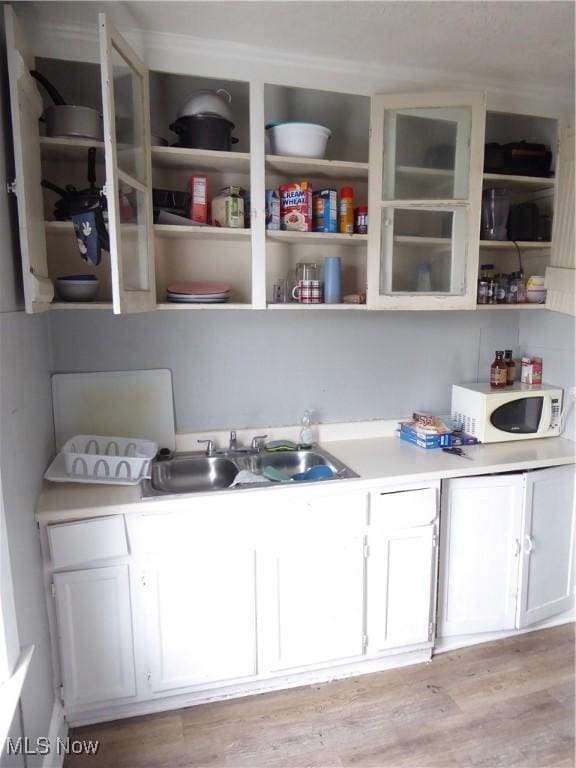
{"points": [[296, 206], [272, 209], [325, 211]]}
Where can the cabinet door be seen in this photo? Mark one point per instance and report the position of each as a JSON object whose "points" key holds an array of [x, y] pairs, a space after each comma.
{"points": [[400, 587], [481, 523], [314, 604], [94, 615], [125, 101], [201, 614], [546, 581], [26, 108], [426, 160]]}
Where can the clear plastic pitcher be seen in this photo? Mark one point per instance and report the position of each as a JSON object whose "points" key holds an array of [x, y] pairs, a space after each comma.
{"points": [[495, 210]]}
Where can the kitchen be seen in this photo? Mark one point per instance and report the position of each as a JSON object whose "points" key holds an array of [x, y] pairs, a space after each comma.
{"points": [[349, 367]]}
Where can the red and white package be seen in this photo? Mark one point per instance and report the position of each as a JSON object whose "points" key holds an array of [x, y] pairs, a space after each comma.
{"points": [[198, 194], [296, 206]]}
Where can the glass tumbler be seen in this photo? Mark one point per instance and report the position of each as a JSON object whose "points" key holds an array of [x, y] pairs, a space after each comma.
{"points": [[495, 210]]}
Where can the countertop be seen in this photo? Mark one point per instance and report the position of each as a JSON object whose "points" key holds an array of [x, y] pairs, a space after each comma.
{"points": [[378, 460]]}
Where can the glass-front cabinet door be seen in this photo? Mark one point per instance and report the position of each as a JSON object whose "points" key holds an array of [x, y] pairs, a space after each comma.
{"points": [[426, 160], [125, 100]]}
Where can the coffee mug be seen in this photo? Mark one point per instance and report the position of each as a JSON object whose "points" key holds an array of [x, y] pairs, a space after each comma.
{"points": [[308, 292]]}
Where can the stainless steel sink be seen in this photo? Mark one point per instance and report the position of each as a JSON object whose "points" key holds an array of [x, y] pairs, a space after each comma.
{"points": [[194, 472], [189, 473]]}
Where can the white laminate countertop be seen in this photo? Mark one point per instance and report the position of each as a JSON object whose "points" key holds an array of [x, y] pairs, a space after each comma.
{"points": [[380, 461]]}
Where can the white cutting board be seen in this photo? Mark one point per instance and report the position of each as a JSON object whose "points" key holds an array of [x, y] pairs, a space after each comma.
{"points": [[120, 403]]}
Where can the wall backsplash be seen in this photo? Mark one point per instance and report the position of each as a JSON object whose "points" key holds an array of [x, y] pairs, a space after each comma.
{"points": [[247, 368]]}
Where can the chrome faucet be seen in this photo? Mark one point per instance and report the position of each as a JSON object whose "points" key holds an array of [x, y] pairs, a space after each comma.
{"points": [[209, 447], [233, 445], [258, 443]]}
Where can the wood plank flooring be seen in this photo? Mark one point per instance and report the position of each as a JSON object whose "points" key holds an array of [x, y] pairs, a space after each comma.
{"points": [[506, 703]]}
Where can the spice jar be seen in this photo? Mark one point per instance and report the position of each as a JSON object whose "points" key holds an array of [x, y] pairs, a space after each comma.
{"points": [[510, 367], [361, 220]]}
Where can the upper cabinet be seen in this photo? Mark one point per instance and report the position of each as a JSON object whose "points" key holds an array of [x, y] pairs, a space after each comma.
{"points": [[425, 188], [415, 163]]}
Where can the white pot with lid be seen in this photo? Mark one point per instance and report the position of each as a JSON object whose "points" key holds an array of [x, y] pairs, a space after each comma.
{"points": [[207, 102]]}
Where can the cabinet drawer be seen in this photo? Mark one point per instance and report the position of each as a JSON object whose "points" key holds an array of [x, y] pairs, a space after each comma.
{"points": [[403, 509], [74, 544]]}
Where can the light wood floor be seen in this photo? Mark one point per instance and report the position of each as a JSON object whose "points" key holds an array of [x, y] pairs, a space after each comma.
{"points": [[506, 703]]}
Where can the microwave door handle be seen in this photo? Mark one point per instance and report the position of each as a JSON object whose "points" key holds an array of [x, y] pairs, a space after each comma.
{"points": [[546, 420]]}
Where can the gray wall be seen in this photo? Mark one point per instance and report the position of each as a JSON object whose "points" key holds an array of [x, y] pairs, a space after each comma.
{"points": [[26, 446], [551, 336], [246, 369]]}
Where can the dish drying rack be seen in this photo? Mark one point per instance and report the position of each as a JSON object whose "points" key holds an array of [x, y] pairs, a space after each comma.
{"points": [[105, 459]]}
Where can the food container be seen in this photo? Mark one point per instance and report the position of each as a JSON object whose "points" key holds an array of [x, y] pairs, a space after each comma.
{"points": [[228, 208], [325, 211], [535, 291], [296, 206], [272, 209], [531, 371], [77, 287], [298, 139], [198, 199], [100, 458]]}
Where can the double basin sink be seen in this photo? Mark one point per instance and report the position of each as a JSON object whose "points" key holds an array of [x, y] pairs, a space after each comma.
{"points": [[194, 472]]}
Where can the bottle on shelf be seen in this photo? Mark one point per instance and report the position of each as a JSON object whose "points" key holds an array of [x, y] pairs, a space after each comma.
{"points": [[520, 288], [346, 211], [510, 367], [498, 371]]}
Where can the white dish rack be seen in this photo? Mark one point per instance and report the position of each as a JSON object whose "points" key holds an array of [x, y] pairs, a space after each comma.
{"points": [[103, 459]]}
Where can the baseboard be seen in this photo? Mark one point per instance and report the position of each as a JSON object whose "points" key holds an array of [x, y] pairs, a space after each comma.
{"points": [[57, 734]]}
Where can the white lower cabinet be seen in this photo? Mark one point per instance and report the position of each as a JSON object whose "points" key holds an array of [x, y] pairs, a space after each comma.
{"points": [[401, 569], [94, 615], [201, 615], [507, 546]]}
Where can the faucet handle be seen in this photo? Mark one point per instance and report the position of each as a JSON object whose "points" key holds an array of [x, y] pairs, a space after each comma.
{"points": [[209, 447], [257, 442]]}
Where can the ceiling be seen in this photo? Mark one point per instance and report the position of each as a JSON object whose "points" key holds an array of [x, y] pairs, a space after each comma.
{"points": [[528, 41]]}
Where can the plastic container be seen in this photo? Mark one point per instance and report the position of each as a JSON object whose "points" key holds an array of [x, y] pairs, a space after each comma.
{"points": [[346, 211], [361, 220], [101, 458], [298, 139], [77, 287], [495, 210]]}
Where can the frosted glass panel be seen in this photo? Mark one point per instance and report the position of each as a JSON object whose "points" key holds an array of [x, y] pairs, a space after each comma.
{"points": [[129, 109], [423, 251], [134, 238], [426, 153]]}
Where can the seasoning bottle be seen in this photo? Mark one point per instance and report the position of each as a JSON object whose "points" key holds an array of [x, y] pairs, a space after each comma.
{"points": [[520, 288], [346, 211], [498, 372], [361, 220], [510, 367]]}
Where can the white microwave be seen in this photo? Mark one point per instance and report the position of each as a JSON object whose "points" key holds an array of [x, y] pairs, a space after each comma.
{"points": [[519, 412]]}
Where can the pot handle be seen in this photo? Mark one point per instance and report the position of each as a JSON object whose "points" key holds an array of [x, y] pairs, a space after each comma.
{"points": [[226, 93], [50, 89], [234, 140], [176, 128]]}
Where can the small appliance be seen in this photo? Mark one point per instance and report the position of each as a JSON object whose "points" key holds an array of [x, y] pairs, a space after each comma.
{"points": [[520, 412]]}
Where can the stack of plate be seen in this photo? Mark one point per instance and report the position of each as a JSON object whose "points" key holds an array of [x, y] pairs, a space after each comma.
{"points": [[198, 293]]}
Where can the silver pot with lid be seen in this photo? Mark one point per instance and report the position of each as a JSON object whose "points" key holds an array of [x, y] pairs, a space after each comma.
{"points": [[207, 102]]}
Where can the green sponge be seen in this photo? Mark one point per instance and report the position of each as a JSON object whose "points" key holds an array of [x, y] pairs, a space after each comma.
{"points": [[281, 445]]}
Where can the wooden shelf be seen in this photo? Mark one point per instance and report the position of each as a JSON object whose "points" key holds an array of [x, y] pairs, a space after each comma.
{"points": [[319, 169], [167, 230], [69, 149], [508, 245], [442, 174], [182, 158], [201, 233], [314, 238], [500, 307], [81, 305], [422, 241], [218, 306], [518, 183], [329, 307]]}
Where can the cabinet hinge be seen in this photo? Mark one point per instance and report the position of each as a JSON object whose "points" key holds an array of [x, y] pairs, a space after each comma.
{"points": [[434, 539], [52, 589], [366, 550], [61, 693], [148, 676], [431, 630], [143, 580], [11, 187], [105, 190], [364, 643]]}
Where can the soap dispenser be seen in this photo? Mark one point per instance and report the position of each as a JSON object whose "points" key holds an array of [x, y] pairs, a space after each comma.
{"points": [[306, 436]]}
